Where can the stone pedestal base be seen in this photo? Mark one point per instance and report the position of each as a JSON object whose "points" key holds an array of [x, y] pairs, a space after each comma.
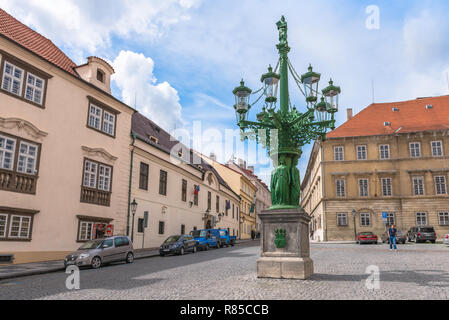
{"points": [[293, 260], [284, 268]]}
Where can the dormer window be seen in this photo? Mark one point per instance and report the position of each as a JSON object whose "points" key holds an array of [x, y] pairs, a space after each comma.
{"points": [[154, 139], [100, 75]]}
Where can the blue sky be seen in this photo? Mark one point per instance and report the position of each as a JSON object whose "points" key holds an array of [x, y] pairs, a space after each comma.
{"points": [[180, 59]]}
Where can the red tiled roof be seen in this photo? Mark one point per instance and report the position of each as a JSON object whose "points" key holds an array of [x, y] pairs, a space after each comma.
{"points": [[33, 41], [412, 116]]}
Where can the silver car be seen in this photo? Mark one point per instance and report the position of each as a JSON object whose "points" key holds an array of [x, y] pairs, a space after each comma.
{"points": [[446, 239], [98, 252]]}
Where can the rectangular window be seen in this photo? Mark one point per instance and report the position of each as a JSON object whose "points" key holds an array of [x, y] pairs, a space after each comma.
{"points": [[361, 153], [233, 208], [365, 219], [12, 79], [184, 191], [390, 219], [183, 229], [90, 174], [109, 123], [195, 196], [161, 227], [363, 187], [342, 219], [217, 204], [387, 189], [104, 178], [85, 232], [163, 183], [143, 176], [418, 186], [339, 153], [95, 115], [3, 224], [440, 184], [27, 158], [415, 149], [7, 149], [437, 148], [384, 151], [19, 227], [421, 218], [209, 200], [443, 218], [34, 88], [341, 187]]}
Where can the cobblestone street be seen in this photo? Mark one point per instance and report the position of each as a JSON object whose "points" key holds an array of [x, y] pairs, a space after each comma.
{"points": [[415, 272]]}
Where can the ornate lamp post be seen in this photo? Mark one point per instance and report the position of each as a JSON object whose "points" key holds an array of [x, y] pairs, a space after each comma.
{"points": [[133, 211], [285, 246]]}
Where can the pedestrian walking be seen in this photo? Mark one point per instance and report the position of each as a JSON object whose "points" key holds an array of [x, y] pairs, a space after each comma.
{"points": [[253, 234], [392, 237]]}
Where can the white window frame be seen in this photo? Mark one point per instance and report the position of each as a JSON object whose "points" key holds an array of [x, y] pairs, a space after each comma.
{"points": [[362, 150], [95, 117], [388, 187], [19, 236], [87, 237], [339, 150], [440, 148], [34, 88], [419, 218], [340, 188], [443, 217], [110, 130], [364, 217], [104, 178], [342, 216], [384, 154], [360, 188], [415, 151], [12, 78], [3, 151], [418, 186], [5, 226], [27, 157], [90, 173], [439, 185], [391, 218]]}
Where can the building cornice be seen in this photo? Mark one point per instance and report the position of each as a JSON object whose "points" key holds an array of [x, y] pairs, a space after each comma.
{"points": [[21, 124]]}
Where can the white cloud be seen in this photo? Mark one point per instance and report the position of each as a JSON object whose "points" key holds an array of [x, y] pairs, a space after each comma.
{"points": [[135, 78]]}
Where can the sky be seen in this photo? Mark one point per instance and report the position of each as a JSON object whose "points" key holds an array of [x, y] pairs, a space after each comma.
{"points": [[177, 61]]}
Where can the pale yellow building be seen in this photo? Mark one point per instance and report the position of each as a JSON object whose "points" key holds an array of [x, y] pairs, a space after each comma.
{"points": [[392, 158], [178, 193], [243, 186], [64, 148]]}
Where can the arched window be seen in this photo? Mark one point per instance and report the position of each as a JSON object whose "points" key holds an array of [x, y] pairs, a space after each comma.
{"points": [[100, 75]]}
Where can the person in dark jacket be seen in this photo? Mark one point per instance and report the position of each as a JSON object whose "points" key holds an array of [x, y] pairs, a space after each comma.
{"points": [[253, 234], [392, 237]]}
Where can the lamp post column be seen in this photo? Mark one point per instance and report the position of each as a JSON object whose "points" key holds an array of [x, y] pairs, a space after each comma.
{"points": [[284, 49]]}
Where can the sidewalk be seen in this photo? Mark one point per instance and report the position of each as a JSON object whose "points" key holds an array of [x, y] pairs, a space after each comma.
{"points": [[29, 269]]}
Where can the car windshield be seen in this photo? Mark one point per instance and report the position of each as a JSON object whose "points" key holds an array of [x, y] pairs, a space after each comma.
{"points": [[400, 233], [366, 233], [203, 233], [92, 244], [427, 230], [195, 233], [172, 239]]}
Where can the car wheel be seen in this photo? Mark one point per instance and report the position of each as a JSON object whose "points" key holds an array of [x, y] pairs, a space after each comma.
{"points": [[207, 247], [162, 254], [432, 241], [96, 262], [194, 249], [129, 257], [181, 251]]}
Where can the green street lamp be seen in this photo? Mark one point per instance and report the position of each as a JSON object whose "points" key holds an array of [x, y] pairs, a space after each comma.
{"points": [[294, 129]]}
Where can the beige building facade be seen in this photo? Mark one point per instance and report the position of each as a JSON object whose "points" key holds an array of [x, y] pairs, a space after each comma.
{"points": [[178, 196], [64, 149], [391, 158]]}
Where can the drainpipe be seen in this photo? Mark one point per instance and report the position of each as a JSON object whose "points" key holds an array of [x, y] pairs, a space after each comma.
{"points": [[133, 137]]}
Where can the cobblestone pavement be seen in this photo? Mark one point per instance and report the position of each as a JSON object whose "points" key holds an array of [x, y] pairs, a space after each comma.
{"points": [[417, 271]]}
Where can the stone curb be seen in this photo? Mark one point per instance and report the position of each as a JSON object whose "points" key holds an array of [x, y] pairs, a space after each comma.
{"points": [[56, 269]]}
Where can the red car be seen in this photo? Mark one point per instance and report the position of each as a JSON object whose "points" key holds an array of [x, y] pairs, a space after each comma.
{"points": [[366, 237]]}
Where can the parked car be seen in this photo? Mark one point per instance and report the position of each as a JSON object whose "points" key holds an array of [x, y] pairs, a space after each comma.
{"points": [[98, 252], [446, 239], [178, 244], [223, 237], [204, 239], [421, 234], [366, 237], [400, 237]]}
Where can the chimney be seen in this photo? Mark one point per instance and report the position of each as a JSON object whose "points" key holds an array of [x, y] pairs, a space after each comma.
{"points": [[213, 156], [251, 168], [349, 113], [242, 163]]}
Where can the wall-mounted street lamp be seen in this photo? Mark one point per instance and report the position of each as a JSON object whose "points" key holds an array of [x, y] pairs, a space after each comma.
{"points": [[133, 211]]}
